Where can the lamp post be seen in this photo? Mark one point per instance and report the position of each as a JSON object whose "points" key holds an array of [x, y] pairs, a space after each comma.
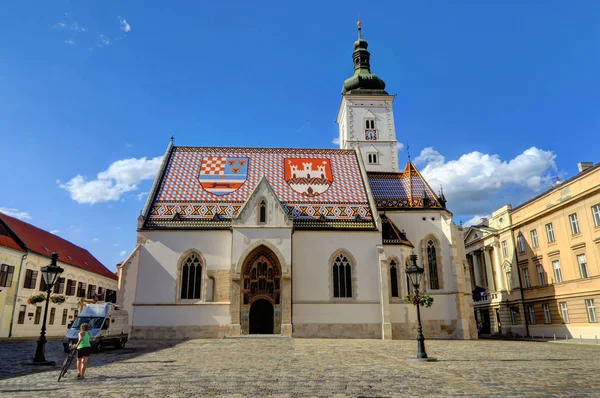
{"points": [[415, 273], [50, 274]]}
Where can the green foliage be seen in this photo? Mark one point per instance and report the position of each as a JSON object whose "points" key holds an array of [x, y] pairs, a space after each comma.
{"points": [[424, 301]]}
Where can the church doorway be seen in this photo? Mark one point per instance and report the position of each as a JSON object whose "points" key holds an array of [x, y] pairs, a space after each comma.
{"points": [[260, 311], [261, 317]]}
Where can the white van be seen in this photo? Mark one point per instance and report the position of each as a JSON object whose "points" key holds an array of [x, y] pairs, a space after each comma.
{"points": [[108, 325]]}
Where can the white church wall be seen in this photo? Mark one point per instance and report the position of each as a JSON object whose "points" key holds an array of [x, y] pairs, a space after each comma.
{"points": [[160, 256], [248, 238], [207, 314], [337, 313]]}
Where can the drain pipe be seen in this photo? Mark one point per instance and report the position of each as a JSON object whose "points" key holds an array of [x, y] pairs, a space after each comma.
{"points": [[12, 316]]}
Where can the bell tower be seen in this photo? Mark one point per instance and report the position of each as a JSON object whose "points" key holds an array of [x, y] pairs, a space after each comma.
{"points": [[366, 117]]}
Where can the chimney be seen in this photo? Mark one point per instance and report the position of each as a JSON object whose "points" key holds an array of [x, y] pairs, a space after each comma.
{"points": [[484, 221], [582, 166]]}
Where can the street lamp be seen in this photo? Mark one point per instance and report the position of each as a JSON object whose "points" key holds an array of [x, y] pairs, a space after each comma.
{"points": [[415, 273], [50, 274]]}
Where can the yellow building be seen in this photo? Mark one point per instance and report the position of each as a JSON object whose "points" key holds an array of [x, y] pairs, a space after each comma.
{"points": [[24, 250], [549, 246], [557, 235]]}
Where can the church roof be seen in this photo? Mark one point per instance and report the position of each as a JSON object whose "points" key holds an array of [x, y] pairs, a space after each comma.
{"points": [[402, 190], [205, 187], [391, 235], [44, 243]]}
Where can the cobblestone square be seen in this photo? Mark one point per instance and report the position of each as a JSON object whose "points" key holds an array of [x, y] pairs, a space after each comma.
{"points": [[306, 367]]}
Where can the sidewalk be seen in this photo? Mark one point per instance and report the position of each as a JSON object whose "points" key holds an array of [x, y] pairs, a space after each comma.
{"points": [[544, 339]]}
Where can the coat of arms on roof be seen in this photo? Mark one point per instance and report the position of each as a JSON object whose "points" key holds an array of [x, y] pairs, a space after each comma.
{"points": [[222, 175], [308, 176]]}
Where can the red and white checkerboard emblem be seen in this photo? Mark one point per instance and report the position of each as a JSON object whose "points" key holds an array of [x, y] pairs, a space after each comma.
{"points": [[222, 175]]}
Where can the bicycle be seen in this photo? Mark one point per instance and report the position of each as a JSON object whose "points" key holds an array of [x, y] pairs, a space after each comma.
{"points": [[67, 363]]}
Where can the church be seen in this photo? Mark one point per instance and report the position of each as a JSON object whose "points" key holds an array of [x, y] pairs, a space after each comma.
{"points": [[298, 242]]}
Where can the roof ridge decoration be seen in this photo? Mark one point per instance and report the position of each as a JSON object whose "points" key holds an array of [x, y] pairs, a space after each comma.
{"points": [[264, 182], [391, 235]]}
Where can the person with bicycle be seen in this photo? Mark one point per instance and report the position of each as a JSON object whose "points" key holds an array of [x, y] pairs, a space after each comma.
{"points": [[84, 348]]}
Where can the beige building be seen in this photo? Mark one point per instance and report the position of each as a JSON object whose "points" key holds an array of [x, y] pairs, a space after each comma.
{"points": [[553, 240], [24, 250]]}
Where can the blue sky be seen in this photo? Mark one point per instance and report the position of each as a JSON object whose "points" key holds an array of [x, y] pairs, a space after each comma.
{"points": [[495, 100]]}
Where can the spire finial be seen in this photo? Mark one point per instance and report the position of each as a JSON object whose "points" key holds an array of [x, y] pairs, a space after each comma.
{"points": [[172, 138], [359, 26], [408, 151]]}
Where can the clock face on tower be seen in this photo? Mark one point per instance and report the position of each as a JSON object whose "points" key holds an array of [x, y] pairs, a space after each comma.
{"points": [[370, 134]]}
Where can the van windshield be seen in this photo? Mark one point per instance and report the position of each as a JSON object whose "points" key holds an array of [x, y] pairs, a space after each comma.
{"points": [[93, 322]]}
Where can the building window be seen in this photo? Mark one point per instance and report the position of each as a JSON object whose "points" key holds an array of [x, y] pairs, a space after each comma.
{"points": [[70, 287], [550, 233], [64, 317], [509, 281], [557, 271], [100, 293], [434, 282], [534, 239], [521, 243], [81, 288], [564, 311], [504, 248], [408, 284], [191, 277], [574, 224], [583, 268], [52, 315], [75, 313], [596, 214], [6, 275], [262, 213], [541, 275], [22, 311], [111, 296], [59, 286], [547, 318], [342, 277], [394, 278], [514, 314], [42, 284], [372, 157], [30, 279], [38, 314], [91, 293], [531, 311], [591, 310], [370, 131], [526, 278]]}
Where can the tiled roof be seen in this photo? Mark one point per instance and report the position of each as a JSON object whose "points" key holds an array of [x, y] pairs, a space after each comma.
{"points": [[7, 241], [44, 243], [401, 190], [204, 187], [391, 235]]}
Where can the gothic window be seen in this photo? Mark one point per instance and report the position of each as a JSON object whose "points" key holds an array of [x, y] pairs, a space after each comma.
{"points": [[372, 158], [394, 278], [342, 277], [261, 277], [370, 130], [408, 284], [191, 277], [262, 218], [432, 263]]}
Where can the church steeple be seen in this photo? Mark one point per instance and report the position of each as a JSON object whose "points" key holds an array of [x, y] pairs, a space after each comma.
{"points": [[363, 81]]}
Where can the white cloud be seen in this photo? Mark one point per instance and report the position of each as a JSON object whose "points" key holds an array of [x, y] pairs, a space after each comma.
{"points": [[116, 244], [95, 240], [475, 220], [21, 215], [476, 178], [142, 195], [336, 141], [104, 40], [70, 42], [124, 25], [55, 231], [400, 146], [119, 178], [122, 253]]}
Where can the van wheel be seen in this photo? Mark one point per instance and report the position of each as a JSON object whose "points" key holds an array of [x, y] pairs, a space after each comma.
{"points": [[99, 346]]}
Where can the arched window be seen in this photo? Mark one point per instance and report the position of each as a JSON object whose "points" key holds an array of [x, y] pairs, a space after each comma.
{"points": [[394, 278], [262, 215], [372, 157], [342, 277], [432, 263], [191, 277], [409, 287]]}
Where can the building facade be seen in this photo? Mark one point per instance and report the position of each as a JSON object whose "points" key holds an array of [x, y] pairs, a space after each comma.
{"points": [[297, 242], [544, 260], [24, 250]]}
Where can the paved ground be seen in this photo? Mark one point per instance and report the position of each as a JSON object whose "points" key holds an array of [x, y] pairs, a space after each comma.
{"points": [[307, 367]]}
